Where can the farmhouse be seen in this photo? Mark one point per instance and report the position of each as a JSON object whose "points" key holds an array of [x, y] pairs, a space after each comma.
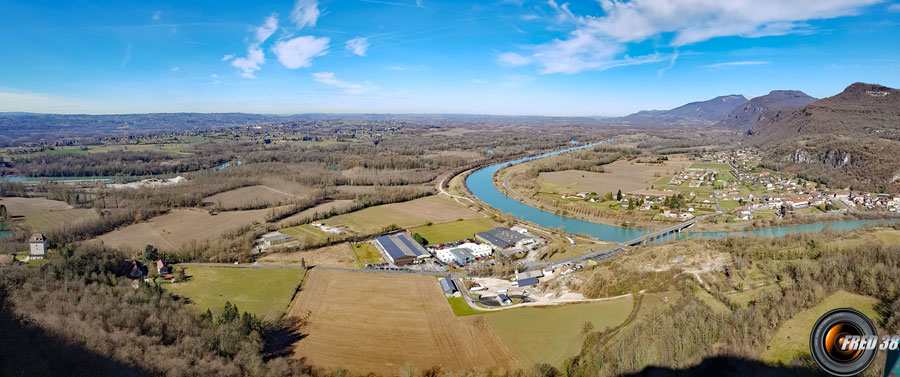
{"points": [[447, 285], [501, 238], [400, 249], [38, 249]]}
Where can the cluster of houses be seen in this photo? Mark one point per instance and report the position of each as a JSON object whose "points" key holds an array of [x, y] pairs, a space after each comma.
{"points": [[402, 249]]}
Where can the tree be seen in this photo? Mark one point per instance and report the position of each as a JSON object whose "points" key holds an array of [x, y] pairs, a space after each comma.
{"points": [[303, 262], [3, 214], [229, 313], [619, 195], [150, 253], [421, 240], [179, 274]]}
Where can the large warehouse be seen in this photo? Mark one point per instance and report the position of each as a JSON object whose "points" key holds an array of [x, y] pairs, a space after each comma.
{"points": [[464, 253], [401, 249], [502, 238]]}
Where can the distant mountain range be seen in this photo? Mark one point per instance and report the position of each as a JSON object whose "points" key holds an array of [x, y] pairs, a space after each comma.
{"points": [[743, 117], [850, 139], [703, 112]]}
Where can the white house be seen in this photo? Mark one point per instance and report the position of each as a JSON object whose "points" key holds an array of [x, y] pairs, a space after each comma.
{"points": [[38, 248]]}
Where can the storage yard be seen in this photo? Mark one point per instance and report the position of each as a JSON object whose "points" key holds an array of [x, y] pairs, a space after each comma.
{"points": [[381, 323]]}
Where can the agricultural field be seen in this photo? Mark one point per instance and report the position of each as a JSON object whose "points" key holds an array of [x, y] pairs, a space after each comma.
{"points": [[264, 292], [34, 212], [792, 338], [179, 228], [367, 253], [406, 214], [306, 233], [568, 252], [319, 209], [454, 230], [554, 333], [389, 324], [339, 255], [260, 196], [620, 175]]}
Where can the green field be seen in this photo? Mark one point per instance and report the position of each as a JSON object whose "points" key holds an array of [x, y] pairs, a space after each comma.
{"points": [[552, 334], [264, 292], [728, 205], [792, 339], [454, 230], [725, 176], [710, 165], [461, 308], [366, 253], [306, 232]]}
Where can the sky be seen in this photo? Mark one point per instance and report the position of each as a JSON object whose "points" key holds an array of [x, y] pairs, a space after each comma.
{"points": [[506, 57]]}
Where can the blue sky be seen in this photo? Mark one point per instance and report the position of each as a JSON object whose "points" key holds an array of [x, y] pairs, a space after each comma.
{"points": [[604, 57]]}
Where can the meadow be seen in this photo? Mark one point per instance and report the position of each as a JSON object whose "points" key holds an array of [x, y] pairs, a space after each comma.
{"points": [[337, 255], [405, 214], [366, 253], [620, 175], [552, 334], [454, 230], [263, 292]]}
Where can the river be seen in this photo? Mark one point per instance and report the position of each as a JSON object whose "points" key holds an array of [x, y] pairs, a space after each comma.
{"points": [[481, 184]]}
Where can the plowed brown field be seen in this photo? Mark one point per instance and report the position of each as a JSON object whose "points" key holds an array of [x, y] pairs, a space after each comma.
{"points": [[388, 324]]}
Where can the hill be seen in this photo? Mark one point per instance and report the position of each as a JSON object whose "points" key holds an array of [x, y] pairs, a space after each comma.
{"points": [[695, 112], [845, 140], [743, 117]]}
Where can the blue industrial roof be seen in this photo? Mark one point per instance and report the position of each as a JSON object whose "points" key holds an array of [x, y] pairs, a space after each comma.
{"points": [[528, 281], [447, 285], [412, 245], [388, 244]]}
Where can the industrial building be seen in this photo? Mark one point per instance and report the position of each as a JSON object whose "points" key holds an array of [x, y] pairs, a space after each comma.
{"points": [[401, 249], [447, 286], [464, 253], [502, 238], [528, 278]]}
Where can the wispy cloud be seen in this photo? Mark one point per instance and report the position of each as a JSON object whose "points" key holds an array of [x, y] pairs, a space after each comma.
{"points": [[255, 56], [227, 57], [156, 15], [174, 69], [127, 56], [734, 64], [512, 59], [305, 13], [299, 52], [358, 46], [894, 8], [328, 78], [601, 42]]}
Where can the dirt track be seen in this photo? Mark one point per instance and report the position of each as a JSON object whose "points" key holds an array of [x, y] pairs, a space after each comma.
{"points": [[386, 323]]}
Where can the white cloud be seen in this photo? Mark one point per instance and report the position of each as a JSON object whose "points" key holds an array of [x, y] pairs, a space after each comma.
{"points": [[399, 67], [734, 64], [299, 52], [419, 3], [175, 69], [156, 15], [479, 82], [513, 59], [267, 29], [255, 56], [597, 42], [305, 13], [358, 46], [328, 78], [894, 8], [529, 17]]}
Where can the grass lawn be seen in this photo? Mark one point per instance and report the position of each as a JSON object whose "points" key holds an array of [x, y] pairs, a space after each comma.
{"points": [[461, 309], [552, 334], [404, 214], [264, 292], [725, 176], [728, 205], [710, 165], [366, 253], [46, 221], [792, 338], [306, 232], [454, 230]]}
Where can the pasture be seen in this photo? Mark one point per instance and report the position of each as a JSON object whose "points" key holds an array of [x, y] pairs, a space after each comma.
{"points": [[44, 215], [792, 338], [711, 165], [386, 323], [338, 255], [180, 227], [257, 196], [620, 175], [307, 233], [264, 292], [319, 209], [367, 253], [454, 230], [554, 333], [406, 214]]}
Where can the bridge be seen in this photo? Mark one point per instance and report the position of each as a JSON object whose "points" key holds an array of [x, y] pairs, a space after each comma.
{"points": [[659, 236]]}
